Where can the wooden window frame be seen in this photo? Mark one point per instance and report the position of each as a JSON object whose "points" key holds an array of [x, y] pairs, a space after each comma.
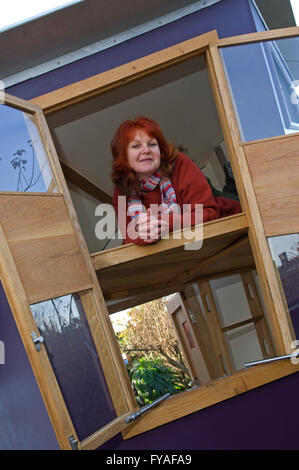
{"points": [[209, 43]]}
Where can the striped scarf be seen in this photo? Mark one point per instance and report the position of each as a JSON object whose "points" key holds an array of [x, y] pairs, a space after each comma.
{"points": [[169, 201]]}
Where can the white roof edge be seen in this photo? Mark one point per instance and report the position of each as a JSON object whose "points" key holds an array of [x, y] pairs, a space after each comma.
{"points": [[105, 43], [40, 15]]}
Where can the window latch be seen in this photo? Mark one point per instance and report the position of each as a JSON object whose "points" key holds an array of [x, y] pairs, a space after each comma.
{"points": [[271, 359], [142, 410], [37, 340]]}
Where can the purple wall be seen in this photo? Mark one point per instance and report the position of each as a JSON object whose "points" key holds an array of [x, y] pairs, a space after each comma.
{"points": [[264, 418], [228, 17], [261, 419], [24, 422]]}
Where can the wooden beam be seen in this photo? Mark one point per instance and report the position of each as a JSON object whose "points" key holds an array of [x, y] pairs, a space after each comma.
{"points": [[191, 274], [131, 252], [76, 178], [272, 35]]}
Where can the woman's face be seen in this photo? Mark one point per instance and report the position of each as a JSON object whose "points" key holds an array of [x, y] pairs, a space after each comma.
{"points": [[143, 154]]}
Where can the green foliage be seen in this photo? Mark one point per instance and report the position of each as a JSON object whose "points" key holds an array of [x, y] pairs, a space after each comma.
{"points": [[151, 379]]}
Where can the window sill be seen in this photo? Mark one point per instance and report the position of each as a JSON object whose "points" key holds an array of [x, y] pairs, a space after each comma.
{"points": [[202, 397], [226, 249]]}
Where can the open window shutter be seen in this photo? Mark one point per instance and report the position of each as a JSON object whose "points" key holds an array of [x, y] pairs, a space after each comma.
{"points": [[53, 289]]}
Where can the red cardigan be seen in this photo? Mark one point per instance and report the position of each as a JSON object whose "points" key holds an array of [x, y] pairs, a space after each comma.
{"points": [[191, 187]]}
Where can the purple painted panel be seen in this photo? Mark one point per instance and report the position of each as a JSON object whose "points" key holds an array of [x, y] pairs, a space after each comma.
{"points": [[262, 419], [228, 17], [24, 422]]}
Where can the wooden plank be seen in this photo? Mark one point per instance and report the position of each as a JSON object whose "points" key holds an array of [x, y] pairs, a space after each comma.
{"points": [[131, 252], [163, 272], [257, 318], [259, 36], [213, 260], [193, 352], [175, 310], [275, 166], [256, 309], [43, 245], [121, 75], [213, 321], [94, 441], [201, 331], [19, 103]]}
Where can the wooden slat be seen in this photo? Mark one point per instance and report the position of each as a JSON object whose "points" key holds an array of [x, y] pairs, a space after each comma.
{"points": [[174, 308], [213, 321], [257, 318], [201, 331], [131, 252], [256, 309], [259, 36], [43, 245], [194, 355], [170, 271], [274, 170]]}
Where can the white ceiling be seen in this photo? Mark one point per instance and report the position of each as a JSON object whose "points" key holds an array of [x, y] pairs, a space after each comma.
{"points": [[179, 98]]}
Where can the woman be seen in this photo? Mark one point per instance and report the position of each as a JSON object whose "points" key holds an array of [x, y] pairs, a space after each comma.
{"points": [[149, 172]]}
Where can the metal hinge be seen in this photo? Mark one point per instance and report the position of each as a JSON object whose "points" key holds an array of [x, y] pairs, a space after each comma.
{"points": [[142, 410], [73, 443]]}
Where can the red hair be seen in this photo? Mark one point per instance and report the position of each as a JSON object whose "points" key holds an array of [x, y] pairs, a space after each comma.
{"points": [[122, 175]]}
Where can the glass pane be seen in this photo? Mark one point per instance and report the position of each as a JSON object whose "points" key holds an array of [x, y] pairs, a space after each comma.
{"points": [[75, 362], [285, 253], [264, 83], [24, 164]]}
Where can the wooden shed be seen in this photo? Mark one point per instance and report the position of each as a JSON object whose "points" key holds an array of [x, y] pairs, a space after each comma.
{"points": [[221, 77]]}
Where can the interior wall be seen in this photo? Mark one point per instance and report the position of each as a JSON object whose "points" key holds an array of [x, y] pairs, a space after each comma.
{"points": [[85, 206]]}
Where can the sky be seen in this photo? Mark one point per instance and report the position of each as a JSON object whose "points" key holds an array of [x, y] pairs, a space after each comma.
{"points": [[15, 11]]}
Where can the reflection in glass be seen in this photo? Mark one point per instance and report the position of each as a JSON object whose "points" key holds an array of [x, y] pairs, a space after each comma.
{"points": [[285, 254], [68, 342], [263, 79], [24, 164]]}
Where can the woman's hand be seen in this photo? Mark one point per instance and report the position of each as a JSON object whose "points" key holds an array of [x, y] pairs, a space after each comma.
{"points": [[150, 228]]}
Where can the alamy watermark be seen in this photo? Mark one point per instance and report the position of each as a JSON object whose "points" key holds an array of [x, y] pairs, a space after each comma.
{"points": [[2, 92], [2, 353], [186, 223]]}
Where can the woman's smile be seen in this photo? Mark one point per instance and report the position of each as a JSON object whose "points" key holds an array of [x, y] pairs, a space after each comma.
{"points": [[144, 155]]}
